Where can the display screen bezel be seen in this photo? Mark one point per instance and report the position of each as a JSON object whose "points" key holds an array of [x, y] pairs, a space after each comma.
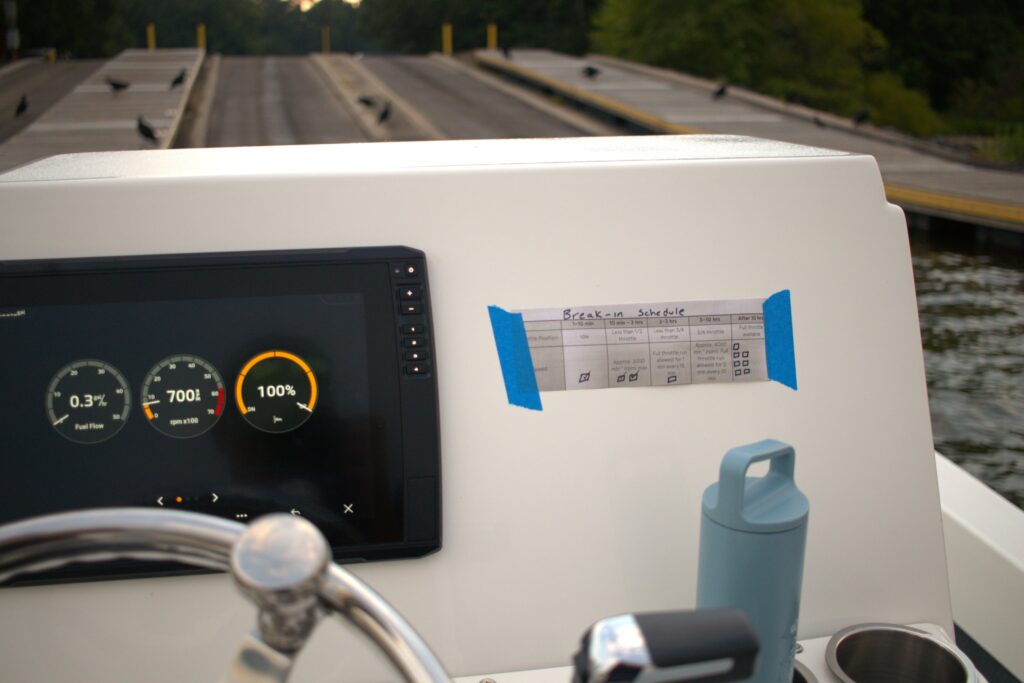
{"points": [[403, 423]]}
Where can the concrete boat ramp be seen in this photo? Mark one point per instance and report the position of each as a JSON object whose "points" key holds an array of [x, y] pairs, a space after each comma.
{"points": [[916, 174]]}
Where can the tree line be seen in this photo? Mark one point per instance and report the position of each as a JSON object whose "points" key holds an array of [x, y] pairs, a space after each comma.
{"points": [[940, 66], [943, 66]]}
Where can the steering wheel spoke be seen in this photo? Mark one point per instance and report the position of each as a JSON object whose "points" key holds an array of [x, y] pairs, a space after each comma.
{"points": [[280, 562]]}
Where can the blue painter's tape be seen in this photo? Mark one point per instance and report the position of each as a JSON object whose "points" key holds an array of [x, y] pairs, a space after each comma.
{"points": [[778, 338], [514, 356]]}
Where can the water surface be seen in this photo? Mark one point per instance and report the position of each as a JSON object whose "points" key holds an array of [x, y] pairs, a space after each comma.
{"points": [[971, 302]]}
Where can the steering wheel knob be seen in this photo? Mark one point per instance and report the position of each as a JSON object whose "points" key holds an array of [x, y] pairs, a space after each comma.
{"points": [[280, 561]]}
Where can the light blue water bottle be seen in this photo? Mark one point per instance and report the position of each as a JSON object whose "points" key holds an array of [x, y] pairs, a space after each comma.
{"points": [[752, 538]]}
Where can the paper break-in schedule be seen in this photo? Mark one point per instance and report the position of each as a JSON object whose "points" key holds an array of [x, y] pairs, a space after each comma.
{"points": [[640, 345]]}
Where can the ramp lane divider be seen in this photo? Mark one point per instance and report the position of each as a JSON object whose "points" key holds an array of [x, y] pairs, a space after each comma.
{"points": [[581, 122], [638, 117], [424, 128], [200, 100], [192, 74], [346, 96]]}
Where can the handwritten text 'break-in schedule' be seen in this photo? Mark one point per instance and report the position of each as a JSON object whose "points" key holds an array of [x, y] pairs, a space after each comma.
{"points": [[642, 345]]}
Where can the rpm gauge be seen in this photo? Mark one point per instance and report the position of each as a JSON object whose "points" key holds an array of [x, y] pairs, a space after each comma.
{"points": [[183, 396], [87, 401], [276, 391]]}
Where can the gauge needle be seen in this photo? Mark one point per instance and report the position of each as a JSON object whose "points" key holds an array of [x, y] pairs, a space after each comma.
{"points": [[149, 403], [61, 419], [303, 406]]}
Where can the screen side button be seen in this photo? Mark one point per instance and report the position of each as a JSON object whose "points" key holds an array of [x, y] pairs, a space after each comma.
{"points": [[417, 368], [410, 308], [411, 292], [405, 270], [414, 328], [416, 355]]}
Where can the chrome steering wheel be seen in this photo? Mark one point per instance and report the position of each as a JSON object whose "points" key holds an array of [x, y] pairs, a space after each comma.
{"points": [[280, 562]]}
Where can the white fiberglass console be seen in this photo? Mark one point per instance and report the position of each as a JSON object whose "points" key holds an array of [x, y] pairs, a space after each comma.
{"points": [[551, 518]]}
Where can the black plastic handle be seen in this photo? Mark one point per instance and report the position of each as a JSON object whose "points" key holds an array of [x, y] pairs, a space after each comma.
{"points": [[690, 637]]}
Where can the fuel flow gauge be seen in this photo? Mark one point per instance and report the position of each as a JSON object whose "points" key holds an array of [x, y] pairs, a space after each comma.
{"points": [[276, 391], [87, 401], [183, 396]]}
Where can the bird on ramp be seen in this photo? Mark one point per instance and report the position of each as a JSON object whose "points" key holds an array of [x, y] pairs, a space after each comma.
{"points": [[116, 85], [145, 130], [590, 71], [721, 92], [385, 112], [22, 106], [179, 79], [367, 101]]}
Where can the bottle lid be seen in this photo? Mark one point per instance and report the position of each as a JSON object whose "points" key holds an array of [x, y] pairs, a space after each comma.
{"points": [[767, 504]]}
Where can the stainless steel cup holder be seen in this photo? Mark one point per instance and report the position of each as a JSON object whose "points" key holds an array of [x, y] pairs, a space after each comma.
{"points": [[888, 653], [801, 674]]}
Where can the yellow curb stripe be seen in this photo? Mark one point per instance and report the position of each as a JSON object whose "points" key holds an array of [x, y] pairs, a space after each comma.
{"points": [[979, 208]]}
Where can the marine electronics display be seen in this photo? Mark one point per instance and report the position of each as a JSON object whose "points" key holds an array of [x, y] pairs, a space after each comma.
{"points": [[230, 384]]}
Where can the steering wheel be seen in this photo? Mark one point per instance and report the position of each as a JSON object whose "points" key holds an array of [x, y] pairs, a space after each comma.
{"points": [[281, 562]]}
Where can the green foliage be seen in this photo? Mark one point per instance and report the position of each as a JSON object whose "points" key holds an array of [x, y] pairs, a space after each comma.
{"points": [[938, 46], [1009, 145], [81, 28], [815, 52], [712, 39], [891, 103], [808, 50]]}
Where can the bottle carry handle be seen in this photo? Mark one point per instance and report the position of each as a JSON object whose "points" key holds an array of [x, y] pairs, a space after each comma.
{"points": [[732, 478]]}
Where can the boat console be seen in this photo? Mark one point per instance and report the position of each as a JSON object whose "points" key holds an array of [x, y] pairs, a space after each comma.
{"points": [[220, 352], [191, 383]]}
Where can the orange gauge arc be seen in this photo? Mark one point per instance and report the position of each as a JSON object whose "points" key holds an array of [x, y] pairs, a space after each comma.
{"points": [[274, 354]]}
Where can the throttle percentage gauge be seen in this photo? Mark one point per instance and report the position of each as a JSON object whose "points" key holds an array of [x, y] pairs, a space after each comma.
{"points": [[276, 391], [88, 401], [183, 396]]}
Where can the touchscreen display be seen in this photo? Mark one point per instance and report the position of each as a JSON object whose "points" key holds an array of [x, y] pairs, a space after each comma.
{"points": [[230, 388]]}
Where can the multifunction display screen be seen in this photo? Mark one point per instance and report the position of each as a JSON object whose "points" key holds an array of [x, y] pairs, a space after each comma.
{"points": [[234, 385]]}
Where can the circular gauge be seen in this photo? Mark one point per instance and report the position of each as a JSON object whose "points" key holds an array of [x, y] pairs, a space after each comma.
{"points": [[88, 401], [276, 391], [183, 396]]}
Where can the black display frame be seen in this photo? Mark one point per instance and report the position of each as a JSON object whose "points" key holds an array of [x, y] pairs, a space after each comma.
{"points": [[401, 364]]}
